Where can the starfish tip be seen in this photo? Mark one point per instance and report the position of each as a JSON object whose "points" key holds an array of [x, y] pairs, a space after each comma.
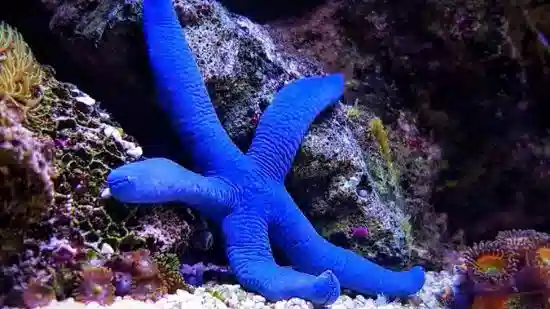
{"points": [[418, 277], [330, 281]]}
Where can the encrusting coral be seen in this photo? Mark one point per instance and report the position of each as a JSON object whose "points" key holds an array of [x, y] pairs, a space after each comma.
{"points": [[87, 143], [54, 157], [246, 193], [510, 272], [26, 170]]}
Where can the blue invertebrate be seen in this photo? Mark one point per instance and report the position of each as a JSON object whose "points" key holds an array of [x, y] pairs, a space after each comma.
{"points": [[245, 193]]}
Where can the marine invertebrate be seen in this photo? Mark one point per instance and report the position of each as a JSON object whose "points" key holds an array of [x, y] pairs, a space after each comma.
{"points": [[20, 73], [512, 271], [139, 276], [168, 262], [520, 240], [193, 274], [93, 277], [246, 193], [172, 281], [10, 112], [360, 232], [491, 265], [148, 288], [143, 265], [37, 294], [133, 273], [88, 144], [542, 256], [168, 266], [95, 286], [123, 283]]}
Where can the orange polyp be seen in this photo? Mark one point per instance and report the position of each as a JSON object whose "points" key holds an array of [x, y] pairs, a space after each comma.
{"points": [[490, 262], [490, 302], [544, 255]]}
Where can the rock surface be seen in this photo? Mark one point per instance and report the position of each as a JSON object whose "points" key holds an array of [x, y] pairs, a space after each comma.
{"points": [[243, 68], [475, 72]]}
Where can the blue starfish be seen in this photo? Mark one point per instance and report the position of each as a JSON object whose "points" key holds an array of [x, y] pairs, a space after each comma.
{"points": [[245, 193]]}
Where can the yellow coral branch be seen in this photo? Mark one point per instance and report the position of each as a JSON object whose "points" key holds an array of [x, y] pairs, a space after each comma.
{"points": [[381, 135]]}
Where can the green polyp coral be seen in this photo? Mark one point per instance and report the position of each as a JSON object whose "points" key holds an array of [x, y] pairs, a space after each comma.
{"points": [[20, 73], [169, 265], [169, 261]]}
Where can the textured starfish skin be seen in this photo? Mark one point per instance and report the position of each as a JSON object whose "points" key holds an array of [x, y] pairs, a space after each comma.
{"points": [[245, 193]]}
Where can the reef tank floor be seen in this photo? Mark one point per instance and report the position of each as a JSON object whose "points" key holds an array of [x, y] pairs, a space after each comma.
{"points": [[304, 165]]}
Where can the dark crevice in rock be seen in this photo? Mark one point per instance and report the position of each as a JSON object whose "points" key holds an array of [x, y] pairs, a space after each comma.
{"points": [[473, 111], [265, 11], [132, 106]]}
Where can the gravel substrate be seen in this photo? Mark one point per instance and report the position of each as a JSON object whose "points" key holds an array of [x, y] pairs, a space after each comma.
{"points": [[214, 296]]}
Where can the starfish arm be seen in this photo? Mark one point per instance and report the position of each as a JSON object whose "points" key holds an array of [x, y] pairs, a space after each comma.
{"points": [[286, 121], [250, 258], [160, 180], [182, 93], [311, 253]]}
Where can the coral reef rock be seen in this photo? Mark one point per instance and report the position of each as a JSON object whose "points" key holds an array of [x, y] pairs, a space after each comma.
{"points": [[472, 73], [56, 148], [243, 68]]}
